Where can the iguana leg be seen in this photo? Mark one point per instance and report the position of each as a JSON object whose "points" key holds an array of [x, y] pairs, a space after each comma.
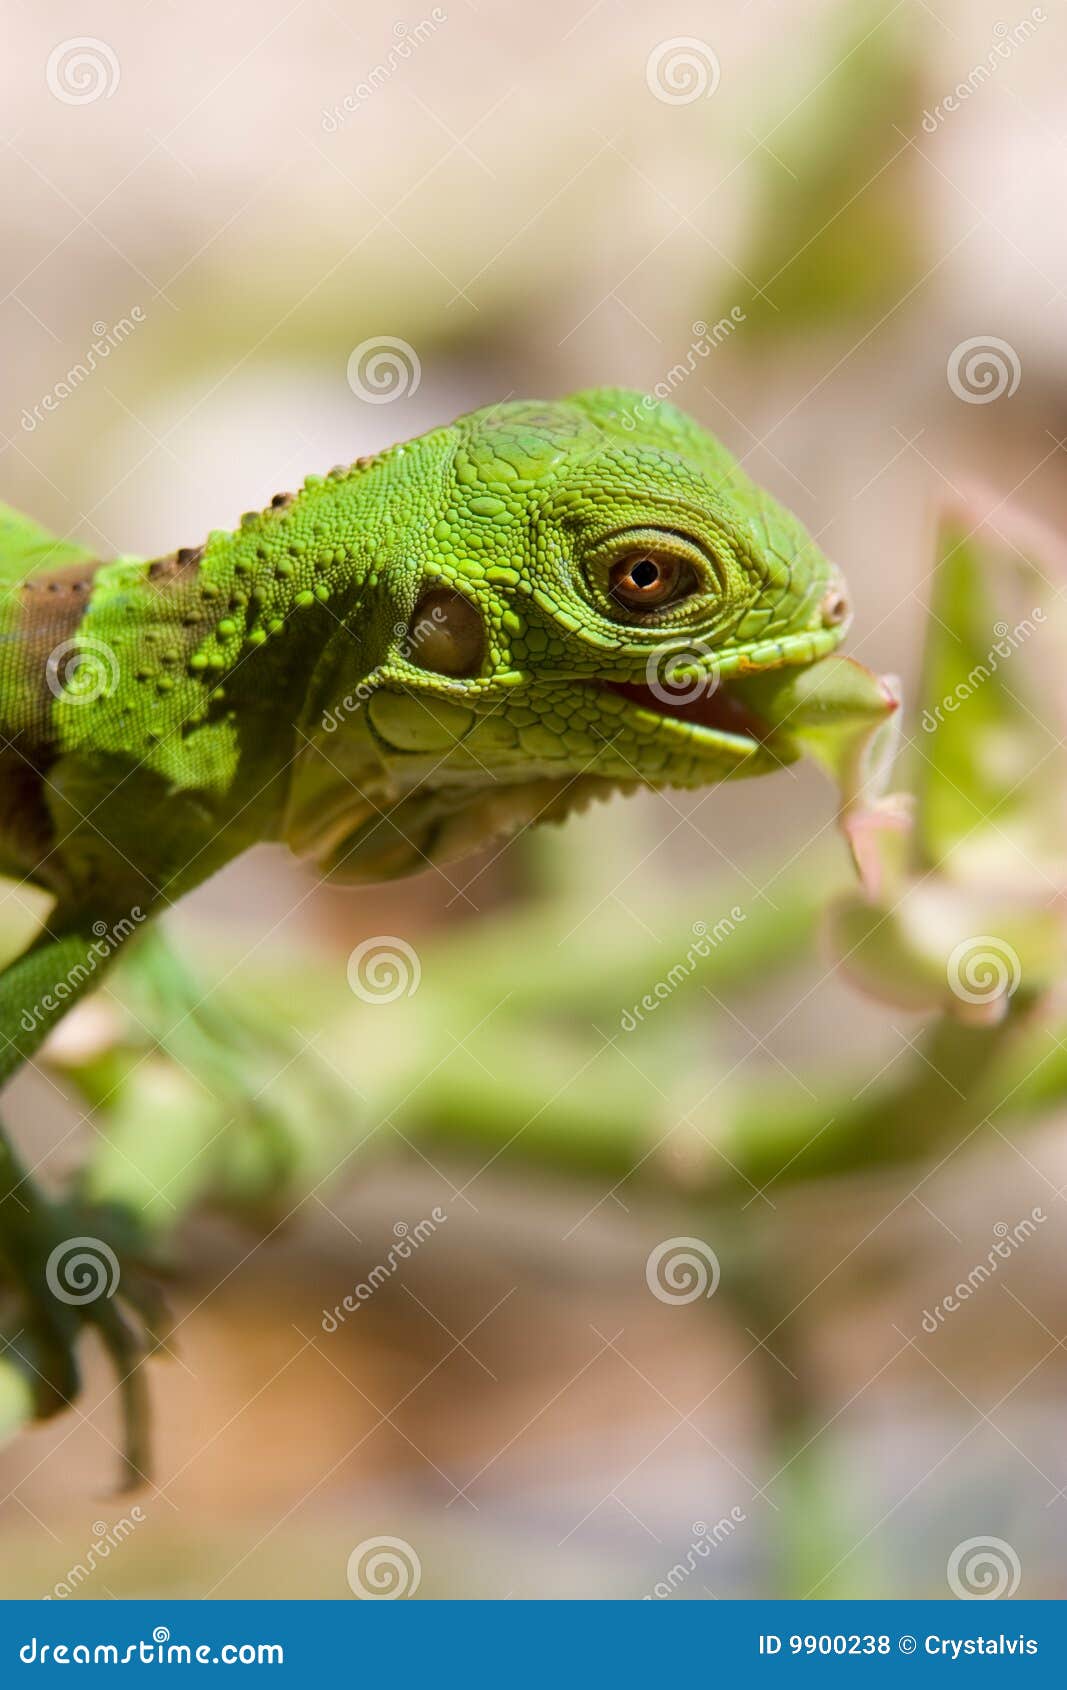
{"points": [[237, 1050], [66, 1262]]}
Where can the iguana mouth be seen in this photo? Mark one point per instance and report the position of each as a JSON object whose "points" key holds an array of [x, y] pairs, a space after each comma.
{"points": [[720, 708]]}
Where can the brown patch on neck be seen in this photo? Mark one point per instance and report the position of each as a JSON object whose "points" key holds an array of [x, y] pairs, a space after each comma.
{"points": [[57, 583], [52, 606]]}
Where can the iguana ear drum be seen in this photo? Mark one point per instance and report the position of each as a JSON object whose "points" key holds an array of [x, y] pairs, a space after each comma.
{"points": [[445, 634]]}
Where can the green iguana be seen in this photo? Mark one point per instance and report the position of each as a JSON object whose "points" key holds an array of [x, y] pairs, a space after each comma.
{"points": [[416, 653]]}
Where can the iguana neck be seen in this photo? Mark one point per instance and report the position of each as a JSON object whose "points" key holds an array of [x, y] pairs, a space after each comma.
{"points": [[178, 684], [263, 597], [278, 605]]}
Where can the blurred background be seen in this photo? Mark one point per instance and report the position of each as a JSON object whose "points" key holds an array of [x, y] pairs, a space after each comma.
{"points": [[831, 232]]}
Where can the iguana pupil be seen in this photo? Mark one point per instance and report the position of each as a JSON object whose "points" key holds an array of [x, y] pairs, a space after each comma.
{"points": [[645, 582]]}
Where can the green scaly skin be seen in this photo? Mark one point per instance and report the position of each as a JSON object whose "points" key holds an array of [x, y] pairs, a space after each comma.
{"points": [[407, 659]]}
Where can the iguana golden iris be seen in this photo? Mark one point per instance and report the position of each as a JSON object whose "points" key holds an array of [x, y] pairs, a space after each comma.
{"points": [[414, 654]]}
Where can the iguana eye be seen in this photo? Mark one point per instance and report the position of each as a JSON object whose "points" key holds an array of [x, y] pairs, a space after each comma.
{"points": [[647, 580]]}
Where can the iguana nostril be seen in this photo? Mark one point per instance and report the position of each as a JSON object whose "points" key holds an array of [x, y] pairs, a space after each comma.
{"points": [[835, 608], [445, 634]]}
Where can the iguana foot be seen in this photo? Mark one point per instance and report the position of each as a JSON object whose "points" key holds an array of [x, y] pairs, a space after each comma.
{"points": [[70, 1267]]}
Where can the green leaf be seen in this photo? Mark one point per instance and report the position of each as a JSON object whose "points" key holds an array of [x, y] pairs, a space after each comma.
{"points": [[847, 720], [839, 713], [944, 948], [990, 773]]}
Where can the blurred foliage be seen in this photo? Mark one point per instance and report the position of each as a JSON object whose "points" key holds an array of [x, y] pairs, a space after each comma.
{"points": [[837, 219], [968, 913]]}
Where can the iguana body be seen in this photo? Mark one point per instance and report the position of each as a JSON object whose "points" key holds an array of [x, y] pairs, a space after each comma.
{"points": [[413, 654]]}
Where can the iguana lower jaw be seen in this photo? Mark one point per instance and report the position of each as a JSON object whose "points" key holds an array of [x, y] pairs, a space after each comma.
{"points": [[436, 827], [422, 779], [721, 718], [722, 712]]}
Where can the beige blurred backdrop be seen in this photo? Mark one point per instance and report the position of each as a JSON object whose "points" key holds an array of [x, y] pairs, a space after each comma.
{"points": [[510, 195]]}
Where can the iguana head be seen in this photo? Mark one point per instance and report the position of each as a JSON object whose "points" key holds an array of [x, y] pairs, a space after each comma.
{"points": [[569, 599]]}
